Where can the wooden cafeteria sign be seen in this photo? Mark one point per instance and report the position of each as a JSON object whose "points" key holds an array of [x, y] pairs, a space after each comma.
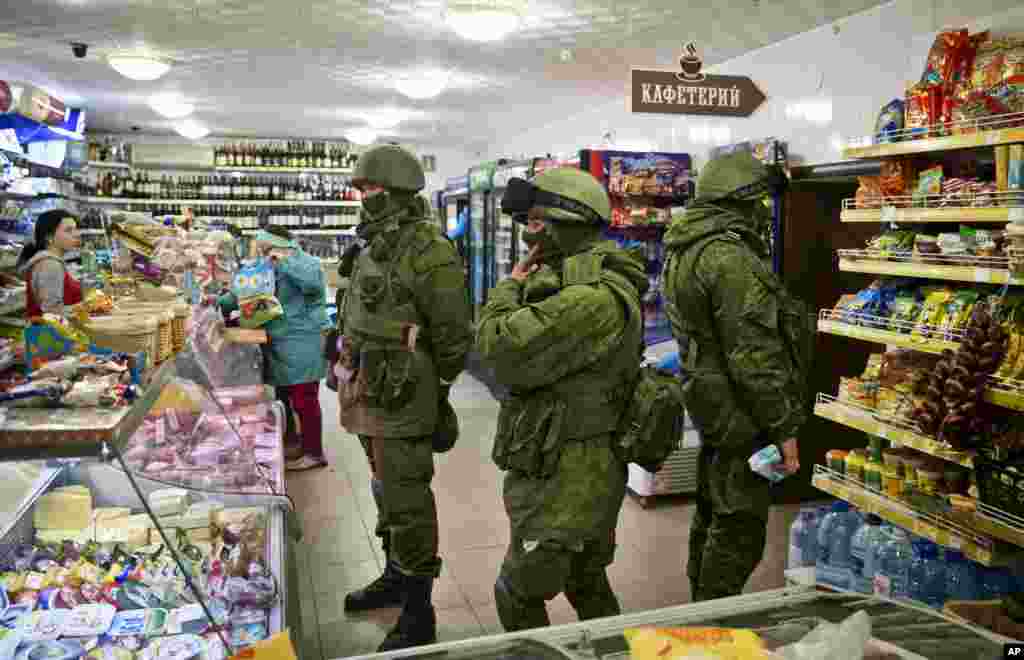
{"points": [[691, 92]]}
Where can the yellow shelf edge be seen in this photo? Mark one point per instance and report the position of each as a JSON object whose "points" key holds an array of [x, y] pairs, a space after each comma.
{"points": [[866, 501], [915, 215], [948, 143], [886, 337], [833, 412], [929, 271]]}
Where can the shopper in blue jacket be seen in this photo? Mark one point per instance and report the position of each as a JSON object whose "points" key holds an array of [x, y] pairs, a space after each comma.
{"points": [[294, 355]]}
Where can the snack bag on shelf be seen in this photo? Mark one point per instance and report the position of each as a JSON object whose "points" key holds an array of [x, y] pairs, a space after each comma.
{"points": [[929, 184], [869, 194], [933, 311], [890, 122], [895, 177], [915, 121], [958, 312], [926, 249], [904, 311], [704, 643]]}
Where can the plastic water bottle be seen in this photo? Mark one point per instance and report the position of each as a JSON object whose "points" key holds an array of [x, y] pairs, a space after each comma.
{"points": [[927, 575], [961, 577], [893, 565], [810, 548], [996, 583], [834, 535], [797, 541], [863, 550]]}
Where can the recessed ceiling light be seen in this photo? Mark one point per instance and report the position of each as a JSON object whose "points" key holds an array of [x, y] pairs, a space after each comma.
{"points": [[171, 106], [423, 85], [362, 136], [138, 67], [191, 129], [482, 21]]}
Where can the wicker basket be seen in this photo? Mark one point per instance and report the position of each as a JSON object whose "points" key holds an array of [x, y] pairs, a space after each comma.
{"points": [[125, 334], [165, 318], [181, 314]]}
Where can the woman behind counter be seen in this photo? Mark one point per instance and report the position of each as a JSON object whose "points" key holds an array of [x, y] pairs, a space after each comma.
{"points": [[50, 287], [294, 355]]}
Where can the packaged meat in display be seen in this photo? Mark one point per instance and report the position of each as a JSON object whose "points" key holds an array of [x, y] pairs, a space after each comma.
{"points": [[212, 360]]}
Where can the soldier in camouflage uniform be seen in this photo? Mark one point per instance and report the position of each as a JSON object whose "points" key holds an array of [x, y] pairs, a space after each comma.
{"points": [[747, 386], [560, 335], [405, 327]]}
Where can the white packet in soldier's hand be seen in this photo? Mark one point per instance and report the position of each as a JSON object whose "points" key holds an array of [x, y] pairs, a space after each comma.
{"points": [[764, 461]]}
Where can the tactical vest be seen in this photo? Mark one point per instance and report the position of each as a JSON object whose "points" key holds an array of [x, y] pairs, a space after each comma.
{"points": [[595, 396], [392, 388], [704, 353]]}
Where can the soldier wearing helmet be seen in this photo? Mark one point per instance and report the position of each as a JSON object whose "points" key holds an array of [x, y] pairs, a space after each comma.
{"points": [[747, 351], [405, 332], [560, 335]]}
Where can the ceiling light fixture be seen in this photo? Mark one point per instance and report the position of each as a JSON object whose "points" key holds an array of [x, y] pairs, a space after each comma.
{"points": [[138, 67], [482, 20], [425, 85], [170, 106], [386, 119], [192, 129], [362, 136]]}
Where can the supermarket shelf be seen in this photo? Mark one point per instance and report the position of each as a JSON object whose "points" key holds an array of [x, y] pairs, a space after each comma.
{"points": [[285, 170], [898, 432], [999, 524], [837, 323], [953, 208], [991, 131], [333, 231], [1006, 393], [939, 529], [986, 270], [127, 201], [109, 165]]}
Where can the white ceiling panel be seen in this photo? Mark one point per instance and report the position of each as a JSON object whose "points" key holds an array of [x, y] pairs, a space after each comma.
{"points": [[312, 68]]}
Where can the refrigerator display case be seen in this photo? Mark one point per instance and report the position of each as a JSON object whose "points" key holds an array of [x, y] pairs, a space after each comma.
{"points": [[781, 618], [481, 235], [508, 246], [106, 511]]}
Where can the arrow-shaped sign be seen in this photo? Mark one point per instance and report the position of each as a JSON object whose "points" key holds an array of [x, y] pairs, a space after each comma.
{"points": [[664, 92]]}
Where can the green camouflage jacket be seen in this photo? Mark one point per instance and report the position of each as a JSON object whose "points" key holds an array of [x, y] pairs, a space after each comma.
{"points": [[408, 274], [748, 388]]}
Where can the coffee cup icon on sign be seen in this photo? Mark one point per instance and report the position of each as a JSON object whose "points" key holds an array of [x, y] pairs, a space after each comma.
{"points": [[691, 64]]}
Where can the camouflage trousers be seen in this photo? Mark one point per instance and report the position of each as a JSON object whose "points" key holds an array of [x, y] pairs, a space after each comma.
{"points": [[729, 530], [407, 513], [562, 537]]}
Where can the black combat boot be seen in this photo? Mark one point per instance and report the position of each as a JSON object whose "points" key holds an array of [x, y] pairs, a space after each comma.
{"points": [[417, 625], [385, 591]]}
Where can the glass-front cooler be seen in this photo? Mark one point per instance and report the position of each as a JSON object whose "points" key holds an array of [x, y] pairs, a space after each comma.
{"points": [[508, 248], [481, 232], [157, 529]]}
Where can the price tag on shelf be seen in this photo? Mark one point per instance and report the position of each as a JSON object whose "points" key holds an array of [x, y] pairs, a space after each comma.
{"points": [[1016, 214], [993, 137], [984, 275], [888, 214]]}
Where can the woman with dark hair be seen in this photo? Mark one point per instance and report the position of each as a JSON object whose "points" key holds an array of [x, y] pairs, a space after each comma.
{"points": [[49, 285]]}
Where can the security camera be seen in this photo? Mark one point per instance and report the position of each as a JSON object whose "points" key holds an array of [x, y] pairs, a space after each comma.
{"points": [[79, 49]]}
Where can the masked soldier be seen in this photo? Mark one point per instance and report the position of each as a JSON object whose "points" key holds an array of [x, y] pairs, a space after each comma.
{"points": [[746, 345], [563, 334], [405, 331]]}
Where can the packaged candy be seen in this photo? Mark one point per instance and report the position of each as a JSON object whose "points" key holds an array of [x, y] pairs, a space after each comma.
{"points": [[915, 122], [139, 623], [248, 634], [254, 287], [929, 183], [89, 620], [44, 625], [890, 122], [704, 643], [64, 649], [175, 647]]}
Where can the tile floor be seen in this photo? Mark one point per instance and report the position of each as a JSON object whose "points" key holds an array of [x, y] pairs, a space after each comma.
{"points": [[340, 552]]}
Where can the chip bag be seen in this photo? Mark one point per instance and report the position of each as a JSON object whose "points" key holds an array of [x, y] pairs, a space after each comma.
{"points": [[694, 644]]}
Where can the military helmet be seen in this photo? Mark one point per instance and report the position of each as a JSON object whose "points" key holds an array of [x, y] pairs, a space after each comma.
{"points": [[391, 167], [446, 433], [577, 185], [729, 173]]}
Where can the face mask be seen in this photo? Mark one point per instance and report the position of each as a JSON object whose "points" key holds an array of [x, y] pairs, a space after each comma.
{"points": [[376, 203], [543, 238]]}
